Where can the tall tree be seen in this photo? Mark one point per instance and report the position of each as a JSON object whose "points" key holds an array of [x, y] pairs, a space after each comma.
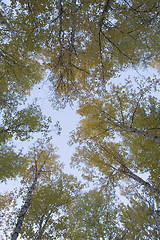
{"points": [[39, 160], [45, 191], [20, 70], [129, 116], [49, 205], [83, 43]]}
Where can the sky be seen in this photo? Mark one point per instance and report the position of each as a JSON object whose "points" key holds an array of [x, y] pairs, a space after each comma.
{"points": [[68, 120]]}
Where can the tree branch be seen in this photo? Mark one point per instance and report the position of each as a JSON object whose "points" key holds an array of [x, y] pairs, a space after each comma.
{"points": [[133, 115], [126, 171]]}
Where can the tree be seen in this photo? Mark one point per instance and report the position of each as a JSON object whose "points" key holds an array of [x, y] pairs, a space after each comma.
{"points": [[20, 70], [140, 219], [91, 216], [133, 117], [39, 160], [45, 190], [112, 162], [17, 124], [83, 43], [123, 108], [49, 205]]}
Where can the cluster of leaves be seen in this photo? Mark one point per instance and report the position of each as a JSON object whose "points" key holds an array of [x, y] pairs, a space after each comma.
{"points": [[92, 216], [17, 123], [139, 219], [127, 114], [20, 70]]}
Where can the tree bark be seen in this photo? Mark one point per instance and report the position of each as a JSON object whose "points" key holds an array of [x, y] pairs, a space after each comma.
{"points": [[126, 171], [141, 133], [25, 207], [138, 179]]}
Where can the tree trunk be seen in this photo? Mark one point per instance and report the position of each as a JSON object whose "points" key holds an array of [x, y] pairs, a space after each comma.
{"points": [[138, 179], [25, 207], [126, 171], [142, 133]]}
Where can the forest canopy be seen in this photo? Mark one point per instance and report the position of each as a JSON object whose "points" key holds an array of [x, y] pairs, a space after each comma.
{"points": [[104, 56]]}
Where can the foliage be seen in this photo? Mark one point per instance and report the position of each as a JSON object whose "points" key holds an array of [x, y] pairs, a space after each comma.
{"points": [[132, 117], [140, 219], [81, 43], [18, 124], [10, 162], [53, 190], [83, 46], [48, 205], [91, 216]]}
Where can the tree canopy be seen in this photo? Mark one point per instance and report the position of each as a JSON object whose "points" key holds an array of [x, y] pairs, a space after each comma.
{"points": [[81, 43], [81, 49]]}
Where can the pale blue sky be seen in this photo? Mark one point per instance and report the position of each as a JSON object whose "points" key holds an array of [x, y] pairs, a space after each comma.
{"points": [[68, 120]]}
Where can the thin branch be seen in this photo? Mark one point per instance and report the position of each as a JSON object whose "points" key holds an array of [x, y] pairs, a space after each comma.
{"points": [[100, 50], [109, 117], [101, 22], [139, 11], [44, 220], [133, 115], [118, 48], [12, 128], [121, 109], [79, 68]]}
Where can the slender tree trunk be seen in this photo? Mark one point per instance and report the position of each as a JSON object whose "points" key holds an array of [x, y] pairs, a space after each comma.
{"points": [[25, 207], [43, 223], [138, 179], [141, 133], [126, 171]]}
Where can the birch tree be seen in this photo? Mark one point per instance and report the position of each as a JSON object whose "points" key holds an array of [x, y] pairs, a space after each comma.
{"points": [[46, 191], [39, 159], [119, 132], [82, 43]]}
